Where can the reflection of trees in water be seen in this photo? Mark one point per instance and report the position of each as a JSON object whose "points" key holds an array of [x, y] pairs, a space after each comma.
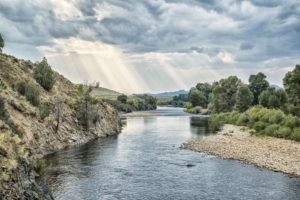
{"points": [[72, 161], [199, 126]]}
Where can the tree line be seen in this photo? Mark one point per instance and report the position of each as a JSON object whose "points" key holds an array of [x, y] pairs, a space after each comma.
{"points": [[126, 104], [231, 94], [268, 109]]}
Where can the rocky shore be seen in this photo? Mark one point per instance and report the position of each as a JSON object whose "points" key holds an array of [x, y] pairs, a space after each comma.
{"points": [[234, 142]]}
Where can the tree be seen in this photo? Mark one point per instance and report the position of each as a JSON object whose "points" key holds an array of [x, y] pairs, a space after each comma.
{"points": [[206, 89], [197, 98], [224, 94], [44, 75], [87, 109], [218, 101], [257, 84], [272, 98], [244, 98], [1, 43], [291, 84], [122, 98]]}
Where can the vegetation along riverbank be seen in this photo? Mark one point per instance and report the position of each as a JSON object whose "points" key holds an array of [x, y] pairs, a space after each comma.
{"points": [[265, 112]]}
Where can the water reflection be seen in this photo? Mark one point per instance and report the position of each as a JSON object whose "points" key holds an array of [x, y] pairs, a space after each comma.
{"points": [[145, 162], [199, 126]]}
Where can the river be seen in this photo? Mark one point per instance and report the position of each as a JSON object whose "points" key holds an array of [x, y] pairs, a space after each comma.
{"points": [[145, 162]]}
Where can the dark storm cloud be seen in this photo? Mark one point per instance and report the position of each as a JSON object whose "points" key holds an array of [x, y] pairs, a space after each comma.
{"points": [[261, 29], [246, 46]]}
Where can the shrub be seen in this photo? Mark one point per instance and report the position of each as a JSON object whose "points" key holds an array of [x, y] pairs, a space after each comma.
{"points": [[283, 132], [233, 117], [259, 126], [44, 75], [271, 129], [44, 110], [32, 94], [217, 121], [295, 134], [276, 116], [291, 121], [21, 87], [2, 108], [242, 120], [122, 98]]}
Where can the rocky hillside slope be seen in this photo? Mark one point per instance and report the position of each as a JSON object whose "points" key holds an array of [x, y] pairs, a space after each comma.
{"points": [[27, 133]]}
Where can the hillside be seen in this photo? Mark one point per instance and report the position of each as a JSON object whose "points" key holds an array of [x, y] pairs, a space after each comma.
{"points": [[170, 94], [105, 93], [27, 133]]}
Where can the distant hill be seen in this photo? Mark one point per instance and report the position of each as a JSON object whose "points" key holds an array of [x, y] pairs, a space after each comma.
{"points": [[105, 93], [170, 94]]}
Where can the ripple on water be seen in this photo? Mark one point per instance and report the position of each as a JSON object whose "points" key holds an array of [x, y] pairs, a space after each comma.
{"points": [[145, 162]]}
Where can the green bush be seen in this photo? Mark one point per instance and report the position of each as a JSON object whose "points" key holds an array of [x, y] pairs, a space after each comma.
{"points": [[271, 130], [122, 98], [283, 132], [21, 87], [259, 126], [242, 120], [264, 121], [44, 110], [30, 91], [44, 75], [291, 121], [32, 94], [216, 121], [2, 108], [295, 134], [276, 116]]}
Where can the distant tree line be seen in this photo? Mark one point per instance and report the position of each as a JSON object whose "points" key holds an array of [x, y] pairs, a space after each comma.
{"points": [[134, 103]]}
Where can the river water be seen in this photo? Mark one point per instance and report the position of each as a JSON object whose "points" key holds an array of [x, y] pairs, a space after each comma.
{"points": [[145, 162]]}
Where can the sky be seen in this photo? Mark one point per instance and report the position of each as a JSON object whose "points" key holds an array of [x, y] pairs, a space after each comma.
{"points": [[138, 46]]}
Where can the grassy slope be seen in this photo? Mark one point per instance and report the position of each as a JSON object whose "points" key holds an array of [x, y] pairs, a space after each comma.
{"points": [[24, 135]]}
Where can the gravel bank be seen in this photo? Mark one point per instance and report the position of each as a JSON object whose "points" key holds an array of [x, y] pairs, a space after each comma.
{"points": [[233, 142]]}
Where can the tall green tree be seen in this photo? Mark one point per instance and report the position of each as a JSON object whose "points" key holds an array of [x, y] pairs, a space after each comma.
{"points": [[291, 84], [206, 90], [44, 75], [244, 98], [1, 42], [218, 102], [224, 94], [197, 98], [257, 84], [272, 98]]}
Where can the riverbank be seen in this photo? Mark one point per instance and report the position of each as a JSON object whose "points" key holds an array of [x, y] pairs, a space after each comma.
{"points": [[234, 142], [43, 122], [138, 114]]}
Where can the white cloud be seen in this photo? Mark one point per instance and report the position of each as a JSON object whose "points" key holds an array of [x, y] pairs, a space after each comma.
{"points": [[226, 57]]}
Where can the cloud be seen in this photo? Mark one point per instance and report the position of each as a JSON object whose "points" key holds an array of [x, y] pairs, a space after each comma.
{"points": [[161, 36], [226, 57]]}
